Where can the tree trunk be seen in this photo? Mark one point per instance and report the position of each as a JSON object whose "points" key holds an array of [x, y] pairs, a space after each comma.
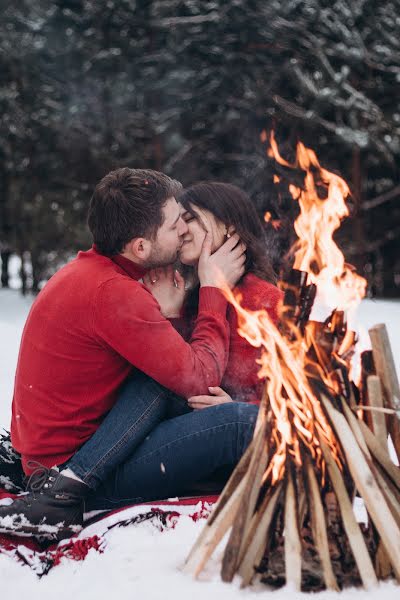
{"points": [[358, 225], [5, 258]]}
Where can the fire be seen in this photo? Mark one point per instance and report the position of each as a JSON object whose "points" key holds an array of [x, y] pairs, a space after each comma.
{"points": [[297, 414], [291, 356], [310, 453], [317, 254]]}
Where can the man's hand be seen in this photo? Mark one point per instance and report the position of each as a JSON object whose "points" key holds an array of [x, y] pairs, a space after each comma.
{"points": [[225, 266], [168, 288], [217, 396]]}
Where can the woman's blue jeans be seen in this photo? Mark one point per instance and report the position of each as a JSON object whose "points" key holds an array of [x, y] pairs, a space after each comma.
{"points": [[141, 451]]}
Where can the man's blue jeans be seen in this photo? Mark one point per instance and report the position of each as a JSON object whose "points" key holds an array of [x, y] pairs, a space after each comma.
{"points": [[142, 452]]}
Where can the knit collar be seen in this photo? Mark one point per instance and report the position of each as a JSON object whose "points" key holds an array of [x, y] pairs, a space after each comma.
{"points": [[132, 269]]}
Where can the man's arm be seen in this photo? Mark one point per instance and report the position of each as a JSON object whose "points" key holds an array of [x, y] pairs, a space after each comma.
{"points": [[128, 319]]}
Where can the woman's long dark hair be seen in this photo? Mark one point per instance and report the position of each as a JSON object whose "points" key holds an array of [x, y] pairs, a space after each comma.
{"points": [[234, 208]]}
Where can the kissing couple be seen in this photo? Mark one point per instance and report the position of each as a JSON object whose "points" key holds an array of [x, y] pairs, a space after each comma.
{"points": [[132, 382]]}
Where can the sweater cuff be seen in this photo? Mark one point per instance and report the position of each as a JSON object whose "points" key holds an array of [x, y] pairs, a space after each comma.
{"points": [[211, 299]]}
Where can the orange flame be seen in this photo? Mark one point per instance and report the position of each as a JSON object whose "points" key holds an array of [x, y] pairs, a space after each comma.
{"points": [[297, 419], [297, 413], [316, 252]]}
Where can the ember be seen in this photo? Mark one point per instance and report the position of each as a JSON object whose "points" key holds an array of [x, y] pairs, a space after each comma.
{"points": [[319, 438]]}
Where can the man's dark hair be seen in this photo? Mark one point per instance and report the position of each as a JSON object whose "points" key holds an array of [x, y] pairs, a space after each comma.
{"points": [[127, 204]]}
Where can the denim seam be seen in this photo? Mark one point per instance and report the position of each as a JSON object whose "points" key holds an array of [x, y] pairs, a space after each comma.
{"points": [[88, 475], [216, 427]]}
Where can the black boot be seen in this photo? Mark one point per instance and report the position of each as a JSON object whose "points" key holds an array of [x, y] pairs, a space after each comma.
{"points": [[52, 507]]}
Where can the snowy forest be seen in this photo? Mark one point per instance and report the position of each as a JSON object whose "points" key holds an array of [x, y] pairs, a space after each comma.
{"points": [[187, 87]]}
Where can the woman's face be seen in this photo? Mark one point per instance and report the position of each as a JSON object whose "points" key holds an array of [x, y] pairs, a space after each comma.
{"points": [[197, 228]]}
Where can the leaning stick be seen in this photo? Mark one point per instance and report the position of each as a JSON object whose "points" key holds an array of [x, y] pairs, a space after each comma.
{"points": [[367, 485], [380, 454], [394, 430], [302, 506], [257, 536], [247, 505], [354, 423], [375, 400], [224, 512], [382, 562], [233, 482], [385, 368], [384, 363], [391, 499], [211, 535], [352, 528], [292, 537], [318, 526], [242, 466]]}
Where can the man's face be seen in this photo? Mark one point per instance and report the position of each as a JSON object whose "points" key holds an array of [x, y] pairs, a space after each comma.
{"points": [[166, 246]]}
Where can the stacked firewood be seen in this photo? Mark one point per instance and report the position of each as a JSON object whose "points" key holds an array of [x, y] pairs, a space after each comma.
{"points": [[288, 505]]}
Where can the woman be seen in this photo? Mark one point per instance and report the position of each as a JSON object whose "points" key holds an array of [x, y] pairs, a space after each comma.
{"points": [[223, 209]]}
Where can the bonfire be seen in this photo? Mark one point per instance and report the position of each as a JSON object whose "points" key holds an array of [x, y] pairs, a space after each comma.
{"points": [[321, 437]]}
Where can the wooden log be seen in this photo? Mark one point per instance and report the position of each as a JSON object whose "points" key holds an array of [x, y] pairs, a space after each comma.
{"points": [[354, 423], [292, 536], [318, 526], [212, 534], [257, 467], [385, 368], [394, 430], [225, 510], [380, 454], [366, 484], [375, 400], [390, 495], [244, 462], [384, 363], [382, 562], [302, 505], [257, 536], [351, 527], [393, 487], [367, 368]]}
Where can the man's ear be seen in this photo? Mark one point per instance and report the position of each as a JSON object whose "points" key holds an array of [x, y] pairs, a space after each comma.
{"points": [[139, 249]]}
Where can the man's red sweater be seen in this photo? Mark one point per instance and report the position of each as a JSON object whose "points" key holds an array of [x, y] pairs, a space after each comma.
{"points": [[91, 322]]}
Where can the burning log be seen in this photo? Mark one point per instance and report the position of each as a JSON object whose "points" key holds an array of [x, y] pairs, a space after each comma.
{"points": [[319, 528], [255, 543], [365, 462], [353, 531], [257, 466], [365, 481], [288, 503]]}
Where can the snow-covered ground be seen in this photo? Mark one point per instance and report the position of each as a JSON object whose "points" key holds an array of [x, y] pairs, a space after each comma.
{"points": [[141, 562]]}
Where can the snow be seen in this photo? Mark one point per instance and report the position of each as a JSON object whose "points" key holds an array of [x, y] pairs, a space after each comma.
{"points": [[140, 561]]}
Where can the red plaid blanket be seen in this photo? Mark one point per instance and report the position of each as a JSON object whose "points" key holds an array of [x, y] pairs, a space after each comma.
{"points": [[41, 557]]}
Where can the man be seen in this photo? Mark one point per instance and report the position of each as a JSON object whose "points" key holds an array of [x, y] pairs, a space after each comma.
{"points": [[80, 432]]}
